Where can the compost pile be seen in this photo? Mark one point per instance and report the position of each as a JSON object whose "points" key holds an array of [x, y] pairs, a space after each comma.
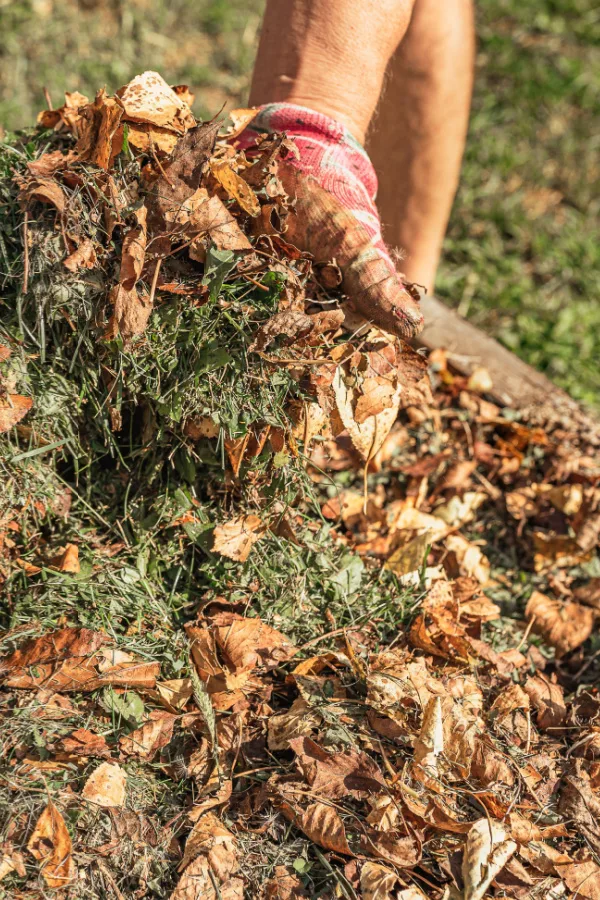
{"points": [[290, 611]]}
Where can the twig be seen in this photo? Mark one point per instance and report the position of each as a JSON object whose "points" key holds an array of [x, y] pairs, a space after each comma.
{"points": [[47, 98], [154, 281], [263, 287], [329, 634], [25, 253]]}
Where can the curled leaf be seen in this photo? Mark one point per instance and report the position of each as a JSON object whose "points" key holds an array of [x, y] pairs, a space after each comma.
{"points": [[487, 850]]}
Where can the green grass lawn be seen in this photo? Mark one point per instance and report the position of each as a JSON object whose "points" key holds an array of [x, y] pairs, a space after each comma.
{"points": [[522, 255]]}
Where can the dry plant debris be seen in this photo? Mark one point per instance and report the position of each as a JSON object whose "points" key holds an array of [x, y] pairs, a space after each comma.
{"points": [[292, 610]]}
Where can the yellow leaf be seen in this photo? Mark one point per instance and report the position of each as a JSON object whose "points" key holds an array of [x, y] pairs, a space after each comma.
{"points": [[106, 786], [236, 538], [238, 189]]}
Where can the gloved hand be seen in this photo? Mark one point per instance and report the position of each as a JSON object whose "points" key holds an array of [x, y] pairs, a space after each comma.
{"points": [[334, 184]]}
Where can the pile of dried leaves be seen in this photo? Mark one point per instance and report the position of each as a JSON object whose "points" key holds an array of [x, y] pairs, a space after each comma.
{"points": [[291, 610]]}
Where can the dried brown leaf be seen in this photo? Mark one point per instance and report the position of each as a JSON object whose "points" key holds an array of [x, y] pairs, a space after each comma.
{"points": [[83, 743], [151, 139], [54, 647], [13, 407], [322, 824], [131, 311], [299, 721], [235, 186], [50, 844], [84, 257], [145, 742], [134, 251], [148, 99], [236, 537], [240, 119], [368, 436], [548, 698], [378, 882], [564, 626], [291, 324], [45, 190], [180, 178], [579, 804], [67, 560], [284, 885], [337, 775], [247, 643], [487, 850], [100, 131], [106, 786], [396, 847]]}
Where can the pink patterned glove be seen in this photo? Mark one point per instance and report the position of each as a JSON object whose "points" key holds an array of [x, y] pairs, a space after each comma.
{"points": [[335, 185]]}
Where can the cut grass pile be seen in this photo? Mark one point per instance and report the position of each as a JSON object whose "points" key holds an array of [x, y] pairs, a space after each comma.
{"points": [[247, 648], [522, 238]]}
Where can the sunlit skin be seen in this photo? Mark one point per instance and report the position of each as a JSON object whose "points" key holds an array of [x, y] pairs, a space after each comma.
{"points": [[398, 75]]}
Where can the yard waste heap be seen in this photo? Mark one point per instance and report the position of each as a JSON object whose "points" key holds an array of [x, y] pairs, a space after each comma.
{"points": [[290, 611]]}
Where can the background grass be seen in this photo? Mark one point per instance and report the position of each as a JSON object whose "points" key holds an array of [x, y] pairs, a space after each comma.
{"points": [[522, 253]]}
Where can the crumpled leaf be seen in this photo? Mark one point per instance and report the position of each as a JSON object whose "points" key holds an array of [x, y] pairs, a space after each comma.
{"points": [[83, 743], [284, 885], [299, 721], [67, 560], [368, 436], [548, 698], [100, 131], [377, 882], [487, 850], [337, 775], [470, 558], [84, 257], [250, 642], [11, 861], [45, 190], [235, 186], [134, 251], [53, 647], [106, 786], [67, 115], [430, 742], [209, 216], [50, 844], [291, 324], [131, 311], [209, 863], [578, 803], [13, 407], [72, 659], [180, 177], [145, 742], [564, 626], [236, 537], [240, 119], [148, 99], [558, 550]]}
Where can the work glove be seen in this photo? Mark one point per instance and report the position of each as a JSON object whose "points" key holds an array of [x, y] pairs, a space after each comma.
{"points": [[334, 217]]}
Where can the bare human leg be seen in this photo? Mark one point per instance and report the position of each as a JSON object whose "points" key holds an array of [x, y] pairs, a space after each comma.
{"points": [[328, 55], [417, 138], [318, 77]]}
